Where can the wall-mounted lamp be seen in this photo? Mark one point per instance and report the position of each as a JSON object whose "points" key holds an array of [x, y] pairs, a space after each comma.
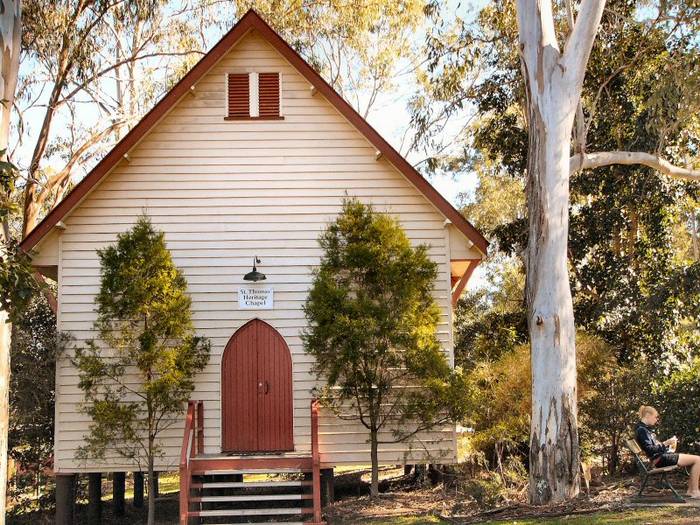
{"points": [[255, 275]]}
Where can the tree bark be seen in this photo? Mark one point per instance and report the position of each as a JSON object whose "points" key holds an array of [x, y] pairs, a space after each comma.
{"points": [[554, 452], [151, 487], [31, 208], [553, 83], [5, 332], [694, 235], [374, 456], [10, 32]]}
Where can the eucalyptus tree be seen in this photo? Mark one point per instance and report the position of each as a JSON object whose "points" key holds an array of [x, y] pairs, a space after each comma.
{"points": [[91, 68], [95, 66], [553, 76], [548, 131]]}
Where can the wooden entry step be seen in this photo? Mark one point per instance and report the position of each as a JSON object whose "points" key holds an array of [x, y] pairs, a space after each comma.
{"points": [[238, 495], [250, 484], [242, 465], [251, 497], [221, 489], [251, 512]]}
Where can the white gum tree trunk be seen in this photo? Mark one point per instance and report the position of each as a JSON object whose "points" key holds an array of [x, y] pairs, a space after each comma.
{"points": [[553, 82], [10, 30]]}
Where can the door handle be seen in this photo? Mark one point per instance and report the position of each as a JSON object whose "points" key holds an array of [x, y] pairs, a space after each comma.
{"points": [[267, 387]]}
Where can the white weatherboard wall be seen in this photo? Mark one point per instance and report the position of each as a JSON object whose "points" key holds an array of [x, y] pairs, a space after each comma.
{"points": [[224, 191]]}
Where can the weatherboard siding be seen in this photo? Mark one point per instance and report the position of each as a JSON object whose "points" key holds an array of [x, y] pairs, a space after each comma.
{"points": [[224, 191]]}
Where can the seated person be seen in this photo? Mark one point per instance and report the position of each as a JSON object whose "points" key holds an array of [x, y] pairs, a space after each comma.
{"points": [[661, 454]]}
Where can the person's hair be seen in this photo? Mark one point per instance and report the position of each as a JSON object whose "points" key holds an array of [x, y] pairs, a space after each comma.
{"points": [[645, 410]]}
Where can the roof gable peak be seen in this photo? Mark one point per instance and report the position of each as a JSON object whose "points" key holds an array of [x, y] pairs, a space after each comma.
{"points": [[249, 21]]}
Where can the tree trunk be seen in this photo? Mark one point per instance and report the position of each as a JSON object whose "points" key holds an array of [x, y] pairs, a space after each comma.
{"points": [[694, 235], [554, 451], [553, 82], [10, 32], [31, 207], [374, 455], [614, 453], [151, 492], [5, 332]]}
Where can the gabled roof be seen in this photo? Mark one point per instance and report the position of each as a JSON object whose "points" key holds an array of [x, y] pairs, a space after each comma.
{"points": [[251, 20]]}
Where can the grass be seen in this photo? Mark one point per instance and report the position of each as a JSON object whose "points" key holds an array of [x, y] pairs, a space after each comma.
{"points": [[423, 520], [670, 516], [168, 482]]}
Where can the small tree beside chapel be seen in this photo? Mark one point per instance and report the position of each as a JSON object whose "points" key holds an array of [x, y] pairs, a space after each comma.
{"points": [[137, 379], [373, 331]]}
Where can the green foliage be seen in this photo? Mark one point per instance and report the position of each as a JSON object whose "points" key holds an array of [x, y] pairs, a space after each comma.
{"points": [[608, 409], [356, 46], [487, 490], [373, 328], [490, 487], [677, 397], [491, 321], [8, 178], [35, 348], [137, 379], [500, 413], [17, 283]]}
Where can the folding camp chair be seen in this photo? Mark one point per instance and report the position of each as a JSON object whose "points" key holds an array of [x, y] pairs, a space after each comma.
{"points": [[645, 472]]}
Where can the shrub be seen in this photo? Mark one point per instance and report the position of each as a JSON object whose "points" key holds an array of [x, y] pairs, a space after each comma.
{"points": [[677, 397]]}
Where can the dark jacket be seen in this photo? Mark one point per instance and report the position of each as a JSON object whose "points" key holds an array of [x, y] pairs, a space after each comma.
{"points": [[651, 446]]}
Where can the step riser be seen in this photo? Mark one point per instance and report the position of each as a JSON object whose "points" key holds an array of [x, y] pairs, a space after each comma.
{"points": [[217, 498], [241, 465], [249, 484], [250, 498], [250, 512]]}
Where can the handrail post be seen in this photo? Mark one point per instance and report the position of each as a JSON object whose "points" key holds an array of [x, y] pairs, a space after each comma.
{"points": [[200, 427], [185, 454], [316, 462]]}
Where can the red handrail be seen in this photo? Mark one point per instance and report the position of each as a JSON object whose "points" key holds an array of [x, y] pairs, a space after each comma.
{"points": [[192, 444], [315, 461]]}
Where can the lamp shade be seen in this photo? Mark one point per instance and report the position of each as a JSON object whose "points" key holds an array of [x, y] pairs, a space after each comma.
{"points": [[254, 275]]}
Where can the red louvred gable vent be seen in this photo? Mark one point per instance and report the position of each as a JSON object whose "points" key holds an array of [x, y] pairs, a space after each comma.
{"points": [[238, 95], [269, 94]]}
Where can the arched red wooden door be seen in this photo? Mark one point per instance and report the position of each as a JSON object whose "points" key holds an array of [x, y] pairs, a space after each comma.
{"points": [[256, 391]]}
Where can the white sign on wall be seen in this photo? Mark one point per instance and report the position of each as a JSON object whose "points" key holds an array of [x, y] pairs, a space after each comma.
{"points": [[250, 298]]}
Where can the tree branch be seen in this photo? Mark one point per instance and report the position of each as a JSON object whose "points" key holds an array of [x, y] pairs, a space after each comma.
{"points": [[46, 291], [130, 59], [578, 46], [75, 157], [628, 158]]}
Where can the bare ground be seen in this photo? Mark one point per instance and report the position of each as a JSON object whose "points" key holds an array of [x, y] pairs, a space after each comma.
{"points": [[403, 497]]}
